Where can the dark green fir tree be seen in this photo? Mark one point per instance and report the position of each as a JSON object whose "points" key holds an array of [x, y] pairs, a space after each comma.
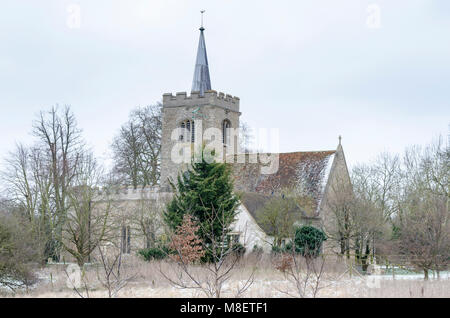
{"points": [[204, 191]]}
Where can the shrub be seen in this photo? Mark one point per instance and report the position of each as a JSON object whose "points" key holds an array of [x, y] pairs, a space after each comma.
{"points": [[277, 249], [284, 263], [257, 249], [239, 249], [154, 253], [19, 252], [186, 243], [308, 241]]}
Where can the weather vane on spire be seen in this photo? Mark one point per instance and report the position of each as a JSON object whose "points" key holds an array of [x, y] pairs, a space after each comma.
{"points": [[202, 28]]}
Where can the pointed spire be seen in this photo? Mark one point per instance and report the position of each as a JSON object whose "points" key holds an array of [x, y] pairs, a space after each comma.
{"points": [[201, 81]]}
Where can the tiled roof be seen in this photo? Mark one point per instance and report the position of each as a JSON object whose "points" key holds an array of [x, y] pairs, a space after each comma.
{"points": [[305, 171]]}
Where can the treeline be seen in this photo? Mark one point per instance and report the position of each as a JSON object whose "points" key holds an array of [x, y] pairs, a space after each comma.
{"points": [[58, 172], [396, 210]]}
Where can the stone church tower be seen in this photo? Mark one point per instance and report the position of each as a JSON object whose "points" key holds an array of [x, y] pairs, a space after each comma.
{"points": [[185, 118]]}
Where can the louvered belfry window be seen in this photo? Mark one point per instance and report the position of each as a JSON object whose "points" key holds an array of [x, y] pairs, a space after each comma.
{"points": [[187, 131], [226, 125]]}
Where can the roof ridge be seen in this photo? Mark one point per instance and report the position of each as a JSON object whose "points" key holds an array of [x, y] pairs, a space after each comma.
{"points": [[279, 153]]}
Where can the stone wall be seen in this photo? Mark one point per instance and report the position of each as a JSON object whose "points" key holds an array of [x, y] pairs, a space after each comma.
{"points": [[128, 207]]}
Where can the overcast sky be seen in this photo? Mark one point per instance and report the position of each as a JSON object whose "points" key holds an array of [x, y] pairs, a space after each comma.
{"points": [[314, 69]]}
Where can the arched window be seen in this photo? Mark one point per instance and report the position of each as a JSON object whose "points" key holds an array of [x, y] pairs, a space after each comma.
{"points": [[187, 131], [226, 125]]}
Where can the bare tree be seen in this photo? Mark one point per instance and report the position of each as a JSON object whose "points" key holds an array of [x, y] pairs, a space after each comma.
{"points": [[339, 225], [384, 176], [38, 177], [137, 147], [87, 221], [110, 273], [424, 237], [18, 177], [112, 276], [361, 208], [150, 119], [412, 197], [29, 186], [57, 133], [423, 233], [306, 276], [127, 148], [367, 214]]}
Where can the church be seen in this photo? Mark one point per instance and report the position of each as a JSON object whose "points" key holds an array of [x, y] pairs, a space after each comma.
{"points": [[185, 120]]}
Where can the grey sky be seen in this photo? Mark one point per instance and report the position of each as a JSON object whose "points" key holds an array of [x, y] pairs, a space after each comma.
{"points": [[313, 69]]}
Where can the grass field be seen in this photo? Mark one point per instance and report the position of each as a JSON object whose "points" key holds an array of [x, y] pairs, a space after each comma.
{"points": [[147, 280]]}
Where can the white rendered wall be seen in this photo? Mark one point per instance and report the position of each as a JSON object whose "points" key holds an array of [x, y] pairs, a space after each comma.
{"points": [[250, 233]]}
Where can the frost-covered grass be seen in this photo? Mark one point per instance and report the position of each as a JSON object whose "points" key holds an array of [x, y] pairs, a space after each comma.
{"points": [[268, 282]]}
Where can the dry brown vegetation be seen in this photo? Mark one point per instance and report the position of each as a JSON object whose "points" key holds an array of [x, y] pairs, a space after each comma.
{"points": [[148, 282]]}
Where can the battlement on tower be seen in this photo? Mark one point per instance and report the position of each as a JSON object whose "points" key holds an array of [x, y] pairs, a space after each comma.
{"points": [[211, 97], [129, 194]]}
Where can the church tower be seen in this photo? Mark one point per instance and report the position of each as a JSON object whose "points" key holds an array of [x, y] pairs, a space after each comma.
{"points": [[184, 116]]}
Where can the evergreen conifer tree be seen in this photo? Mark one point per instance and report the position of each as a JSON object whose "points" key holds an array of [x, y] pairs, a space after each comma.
{"points": [[204, 189]]}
